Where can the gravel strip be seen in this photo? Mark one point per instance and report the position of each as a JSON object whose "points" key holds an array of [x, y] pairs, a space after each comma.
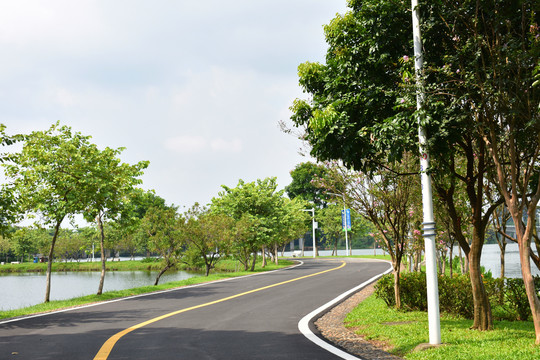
{"points": [[332, 329]]}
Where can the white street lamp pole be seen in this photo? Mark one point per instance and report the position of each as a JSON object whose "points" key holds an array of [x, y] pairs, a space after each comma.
{"points": [[427, 201], [344, 214], [312, 210]]}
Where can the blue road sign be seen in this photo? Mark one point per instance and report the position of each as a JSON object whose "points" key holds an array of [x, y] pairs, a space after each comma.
{"points": [[346, 219]]}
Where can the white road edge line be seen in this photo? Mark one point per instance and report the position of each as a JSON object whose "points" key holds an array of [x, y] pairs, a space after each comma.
{"points": [[300, 263], [303, 325]]}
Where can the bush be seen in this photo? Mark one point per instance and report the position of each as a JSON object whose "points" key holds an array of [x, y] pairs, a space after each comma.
{"points": [[455, 294], [384, 289], [413, 291]]}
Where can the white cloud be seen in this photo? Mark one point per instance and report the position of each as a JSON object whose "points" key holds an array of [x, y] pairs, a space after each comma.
{"points": [[186, 144], [228, 146], [199, 144]]}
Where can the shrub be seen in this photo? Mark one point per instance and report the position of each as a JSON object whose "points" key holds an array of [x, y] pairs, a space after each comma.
{"points": [[455, 294], [384, 289], [413, 291]]}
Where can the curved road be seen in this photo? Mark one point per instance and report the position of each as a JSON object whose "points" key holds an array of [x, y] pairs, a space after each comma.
{"points": [[254, 317]]}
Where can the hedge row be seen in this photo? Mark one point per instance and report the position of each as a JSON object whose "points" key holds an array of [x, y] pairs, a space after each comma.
{"points": [[455, 294]]}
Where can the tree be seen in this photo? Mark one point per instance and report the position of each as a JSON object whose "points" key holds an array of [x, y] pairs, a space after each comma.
{"points": [[505, 38], [5, 246], [480, 93], [302, 186], [107, 186], [386, 200], [255, 204], [290, 224], [363, 99], [22, 244], [49, 176], [9, 212], [208, 235], [135, 206], [165, 229]]}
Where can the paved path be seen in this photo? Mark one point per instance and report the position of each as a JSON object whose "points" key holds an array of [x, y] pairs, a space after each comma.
{"points": [[252, 317]]}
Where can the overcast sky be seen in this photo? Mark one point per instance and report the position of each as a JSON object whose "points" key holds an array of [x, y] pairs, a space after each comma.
{"points": [[195, 87]]}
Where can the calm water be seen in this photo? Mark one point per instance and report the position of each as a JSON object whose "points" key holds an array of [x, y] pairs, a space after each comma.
{"points": [[22, 290], [490, 258]]}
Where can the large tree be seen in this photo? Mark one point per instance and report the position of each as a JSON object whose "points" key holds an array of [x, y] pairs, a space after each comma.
{"points": [[107, 185], [9, 212], [301, 186], [208, 236], [479, 91], [255, 204], [49, 177], [387, 200], [496, 51], [165, 229], [364, 100]]}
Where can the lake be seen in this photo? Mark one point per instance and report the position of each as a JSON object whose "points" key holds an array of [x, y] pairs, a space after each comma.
{"points": [[21, 290], [490, 258]]}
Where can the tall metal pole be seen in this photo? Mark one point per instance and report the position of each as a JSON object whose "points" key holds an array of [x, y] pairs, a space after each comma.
{"points": [[427, 201], [313, 222], [346, 236]]}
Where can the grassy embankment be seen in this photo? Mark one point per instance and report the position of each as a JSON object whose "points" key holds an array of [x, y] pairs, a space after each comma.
{"points": [[403, 331], [224, 269]]}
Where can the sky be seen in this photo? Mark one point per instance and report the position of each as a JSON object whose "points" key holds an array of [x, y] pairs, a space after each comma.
{"points": [[195, 87]]}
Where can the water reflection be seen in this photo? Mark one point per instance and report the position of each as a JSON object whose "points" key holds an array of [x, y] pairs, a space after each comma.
{"points": [[21, 290]]}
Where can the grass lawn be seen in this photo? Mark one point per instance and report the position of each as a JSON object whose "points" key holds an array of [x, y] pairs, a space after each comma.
{"points": [[403, 331], [226, 268]]}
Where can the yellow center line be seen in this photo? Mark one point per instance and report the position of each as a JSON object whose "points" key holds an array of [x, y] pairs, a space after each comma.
{"points": [[107, 347]]}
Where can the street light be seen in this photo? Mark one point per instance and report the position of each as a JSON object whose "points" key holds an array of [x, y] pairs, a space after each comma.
{"points": [[314, 226], [344, 211], [427, 201]]}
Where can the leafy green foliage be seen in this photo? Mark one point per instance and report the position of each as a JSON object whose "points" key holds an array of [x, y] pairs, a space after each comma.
{"points": [[351, 115], [455, 295], [166, 231], [263, 217], [302, 184], [208, 236]]}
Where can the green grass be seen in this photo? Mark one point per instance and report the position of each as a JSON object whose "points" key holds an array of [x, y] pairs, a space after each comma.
{"points": [[509, 340], [131, 265], [225, 267], [80, 266]]}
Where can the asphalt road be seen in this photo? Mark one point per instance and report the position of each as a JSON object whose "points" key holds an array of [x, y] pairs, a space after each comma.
{"points": [[252, 317]]}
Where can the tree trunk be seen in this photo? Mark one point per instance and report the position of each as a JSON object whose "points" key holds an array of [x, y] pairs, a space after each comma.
{"points": [[103, 257], [253, 261], [396, 286], [263, 257], [523, 236], [451, 260], [483, 319], [503, 252], [276, 253], [167, 267], [49, 262], [207, 270], [528, 280]]}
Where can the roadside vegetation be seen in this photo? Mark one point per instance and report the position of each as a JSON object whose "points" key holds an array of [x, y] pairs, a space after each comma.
{"points": [[400, 332]]}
